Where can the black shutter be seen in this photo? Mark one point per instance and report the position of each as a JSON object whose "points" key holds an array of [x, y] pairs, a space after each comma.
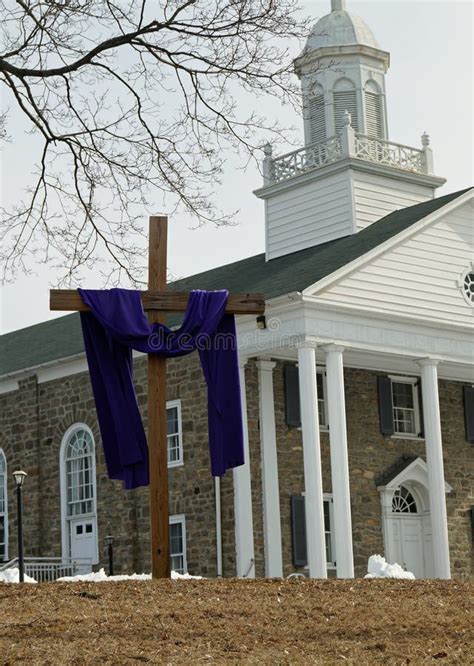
{"points": [[292, 396], [420, 409], [298, 526], [385, 405], [469, 412]]}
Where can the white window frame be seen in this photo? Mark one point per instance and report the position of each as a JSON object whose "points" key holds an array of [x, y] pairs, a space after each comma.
{"points": [[176, 463], [65, 519], [4, 513], [324, 427], [327, 497], [396, 379], [180, 519]]}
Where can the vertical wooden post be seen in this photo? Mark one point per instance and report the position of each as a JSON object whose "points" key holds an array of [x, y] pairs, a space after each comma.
{"points": [[157, 432]]}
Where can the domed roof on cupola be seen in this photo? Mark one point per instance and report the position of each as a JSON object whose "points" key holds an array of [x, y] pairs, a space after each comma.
{"points": [[340, 28]]}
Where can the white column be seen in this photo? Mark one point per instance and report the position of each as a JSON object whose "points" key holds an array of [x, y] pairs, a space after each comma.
{"points": [[269, 463], [339, 462], [244, 548], [434, 460], [315, 538]]}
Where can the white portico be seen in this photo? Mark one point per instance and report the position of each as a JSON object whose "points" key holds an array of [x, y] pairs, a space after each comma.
{"points": [[354, 215]]}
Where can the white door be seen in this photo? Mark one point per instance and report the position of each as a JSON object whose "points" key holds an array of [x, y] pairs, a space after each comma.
{"points": [[405, 545], [83, 542], [407, 534]]}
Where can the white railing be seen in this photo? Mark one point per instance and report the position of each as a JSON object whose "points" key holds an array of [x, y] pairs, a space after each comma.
{"points": [[348, 144], [309, 157], [47, 569], [389, 153]]}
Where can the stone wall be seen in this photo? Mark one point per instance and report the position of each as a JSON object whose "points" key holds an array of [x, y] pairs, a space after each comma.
{"points": [[34, 419]]}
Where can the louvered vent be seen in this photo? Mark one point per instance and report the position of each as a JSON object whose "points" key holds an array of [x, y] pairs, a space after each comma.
{"points": [[373, 109], [317, 119], [345, 100]]}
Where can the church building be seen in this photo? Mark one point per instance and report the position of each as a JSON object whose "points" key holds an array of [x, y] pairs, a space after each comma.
{"points": [[357, 386]]}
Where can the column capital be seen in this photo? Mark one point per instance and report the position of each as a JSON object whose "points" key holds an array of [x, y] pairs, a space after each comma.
{"points": [[243, 361], [265, 363], [428, 362], [333, 347], [306, 343]]}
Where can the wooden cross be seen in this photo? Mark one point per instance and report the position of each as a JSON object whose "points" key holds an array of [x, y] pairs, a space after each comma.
{"points": [[156, 302]]}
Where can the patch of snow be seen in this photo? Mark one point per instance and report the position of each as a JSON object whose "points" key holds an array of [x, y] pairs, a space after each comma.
{"points": [[12, 575], [379, 568], [101, 577]]}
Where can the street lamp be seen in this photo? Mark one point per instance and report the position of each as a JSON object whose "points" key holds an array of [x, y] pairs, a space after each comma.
{"points": [[109, 542], [20, 477]]}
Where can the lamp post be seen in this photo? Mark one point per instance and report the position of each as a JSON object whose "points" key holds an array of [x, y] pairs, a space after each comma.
{"points": [[20, 477], [109, 540]]}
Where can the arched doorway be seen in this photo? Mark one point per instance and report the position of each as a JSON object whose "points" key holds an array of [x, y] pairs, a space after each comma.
{"points": [[406, 517], [78, 496], [409, 531]]}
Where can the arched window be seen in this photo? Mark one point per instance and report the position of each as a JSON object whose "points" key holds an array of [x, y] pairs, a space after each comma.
{"points": [[345, 99], [403, 501], [3, 508], [78, 492], [373, 110], [317, 116]]}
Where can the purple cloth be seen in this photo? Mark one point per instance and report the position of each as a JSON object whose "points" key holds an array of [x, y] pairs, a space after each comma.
{"points": [[116, 325]]}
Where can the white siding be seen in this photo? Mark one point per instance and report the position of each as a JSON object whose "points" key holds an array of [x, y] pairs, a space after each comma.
{"points": [[418, 277], [377, 196], [308, 215]]}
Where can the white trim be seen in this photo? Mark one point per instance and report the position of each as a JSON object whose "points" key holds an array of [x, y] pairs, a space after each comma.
{"points": [[65, 549], [8, 385], [5, 498], [328, 497], [180, 462], [389, 244], [180, 518]]}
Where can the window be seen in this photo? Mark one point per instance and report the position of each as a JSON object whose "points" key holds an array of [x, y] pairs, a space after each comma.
{"points": [[345, 99], [406, 417], [328, 531], [317, 116], [178, 544], [403, 501], [322, 411], [3, 509], [373, 110], [468, 287], [80, 473], [174, 430]]}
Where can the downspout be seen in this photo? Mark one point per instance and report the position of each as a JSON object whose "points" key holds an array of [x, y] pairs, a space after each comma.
{"points": [[217, 492]]}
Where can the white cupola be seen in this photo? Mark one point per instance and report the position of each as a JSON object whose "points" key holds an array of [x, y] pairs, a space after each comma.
{"points": [[342, 67], [348, 174]]}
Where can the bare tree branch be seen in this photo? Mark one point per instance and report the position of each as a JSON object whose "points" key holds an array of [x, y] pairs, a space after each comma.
{"points": [[131, 100]]}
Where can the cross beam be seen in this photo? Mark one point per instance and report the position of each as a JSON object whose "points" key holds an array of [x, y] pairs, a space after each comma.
{"points": [[171, 301], [156, 302]]}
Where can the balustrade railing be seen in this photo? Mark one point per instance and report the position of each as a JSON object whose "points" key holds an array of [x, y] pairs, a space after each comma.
{"points": [[336, 148], [388, 153], [309, 157]]}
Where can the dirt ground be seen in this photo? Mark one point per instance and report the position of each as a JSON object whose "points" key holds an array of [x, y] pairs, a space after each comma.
{"points": [[244, 622]]}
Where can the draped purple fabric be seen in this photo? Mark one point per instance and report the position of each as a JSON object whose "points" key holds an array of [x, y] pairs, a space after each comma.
{"points": [[117, 324]]}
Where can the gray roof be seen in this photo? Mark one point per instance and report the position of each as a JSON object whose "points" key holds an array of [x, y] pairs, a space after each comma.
{"points": [[61, 337], [394, 470]]}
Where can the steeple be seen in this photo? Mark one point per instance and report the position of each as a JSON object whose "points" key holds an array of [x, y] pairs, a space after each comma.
{"points": [[342, 67], [348, 174]]}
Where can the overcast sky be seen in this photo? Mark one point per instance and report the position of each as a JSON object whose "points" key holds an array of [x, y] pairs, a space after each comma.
{"points": [[429, 88]]}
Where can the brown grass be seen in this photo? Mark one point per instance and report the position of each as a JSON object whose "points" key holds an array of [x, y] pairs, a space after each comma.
{"points": [[245, 622]]}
